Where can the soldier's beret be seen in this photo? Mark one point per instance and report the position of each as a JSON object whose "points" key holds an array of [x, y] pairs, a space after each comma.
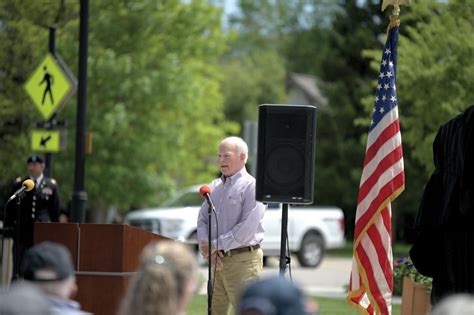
{"points": [[34, 159]]}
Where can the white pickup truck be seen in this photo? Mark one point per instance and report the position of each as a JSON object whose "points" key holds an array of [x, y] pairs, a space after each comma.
{"points": [[311, 230]]}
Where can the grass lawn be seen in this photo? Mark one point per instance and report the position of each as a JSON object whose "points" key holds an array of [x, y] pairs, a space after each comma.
{"points": [[328, 306]]}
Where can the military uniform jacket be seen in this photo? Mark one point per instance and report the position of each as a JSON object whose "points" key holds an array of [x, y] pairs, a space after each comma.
{"points": [[38, 205]]}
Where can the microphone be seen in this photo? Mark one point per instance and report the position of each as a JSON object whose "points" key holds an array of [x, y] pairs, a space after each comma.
{"points": [[205, 192], [27, 185]]}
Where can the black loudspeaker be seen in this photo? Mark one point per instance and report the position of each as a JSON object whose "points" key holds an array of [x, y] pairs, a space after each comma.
{"points": [[285, 153]]}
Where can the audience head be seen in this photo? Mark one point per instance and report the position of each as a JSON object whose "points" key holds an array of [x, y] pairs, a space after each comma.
{"points": [[49, 266], [164, 282], [272, 296], [458, 304]]}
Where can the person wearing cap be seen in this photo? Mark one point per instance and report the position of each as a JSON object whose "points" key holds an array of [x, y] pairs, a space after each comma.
{"points": [[235, 250], [275, 295], [41, 204], [49, 267]]}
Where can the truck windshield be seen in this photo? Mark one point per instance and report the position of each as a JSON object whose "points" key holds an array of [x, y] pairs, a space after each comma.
{"points": [[188, 199]]}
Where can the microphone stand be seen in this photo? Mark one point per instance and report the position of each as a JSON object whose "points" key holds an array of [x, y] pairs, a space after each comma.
{"points": [[17, 238], [209, 261]]}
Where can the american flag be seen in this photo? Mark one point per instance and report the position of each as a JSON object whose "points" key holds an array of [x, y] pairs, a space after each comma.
{"points": [[383, 179]]}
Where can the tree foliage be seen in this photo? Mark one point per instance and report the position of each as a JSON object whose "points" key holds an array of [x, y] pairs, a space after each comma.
{"points": [[333, 53], [437, 71], [433, 79], [154, 104]]}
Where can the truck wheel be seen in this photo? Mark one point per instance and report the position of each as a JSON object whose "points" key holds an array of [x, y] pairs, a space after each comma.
{"points": [[311, 251]]}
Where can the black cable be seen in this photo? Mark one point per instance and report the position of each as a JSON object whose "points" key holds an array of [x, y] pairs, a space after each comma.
{"points": [[217, 248], [289, 256]]}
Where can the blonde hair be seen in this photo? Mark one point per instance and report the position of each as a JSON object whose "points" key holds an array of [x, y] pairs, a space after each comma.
{"points": [[166, 271]]}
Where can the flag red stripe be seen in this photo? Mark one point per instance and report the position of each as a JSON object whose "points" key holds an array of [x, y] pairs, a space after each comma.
{"points": [[381, 254], [370, 309], [385, 164], [369, 272], [387, 221], [384, 193], [386, 134]]}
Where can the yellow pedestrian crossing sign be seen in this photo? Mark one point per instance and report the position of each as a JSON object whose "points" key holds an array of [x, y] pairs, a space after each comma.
{"points": [[50, 85], [43, 140]]}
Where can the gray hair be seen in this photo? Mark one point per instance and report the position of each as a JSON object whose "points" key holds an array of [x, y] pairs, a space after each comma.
{"points": [[457, 304], [242, 147]]}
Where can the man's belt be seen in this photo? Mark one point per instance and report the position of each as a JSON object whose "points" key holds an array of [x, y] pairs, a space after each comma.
{"points": [[239, 250]]}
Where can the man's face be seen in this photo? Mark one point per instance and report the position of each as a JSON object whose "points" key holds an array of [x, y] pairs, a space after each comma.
{"points": [[35, 169], [229, 161]]}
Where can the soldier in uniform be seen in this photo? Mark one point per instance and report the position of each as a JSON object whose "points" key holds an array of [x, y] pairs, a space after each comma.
{"points": [[38, 205]]}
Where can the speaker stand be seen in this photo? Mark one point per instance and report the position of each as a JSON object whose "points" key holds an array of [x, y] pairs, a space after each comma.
{"points": [[284, 229]]}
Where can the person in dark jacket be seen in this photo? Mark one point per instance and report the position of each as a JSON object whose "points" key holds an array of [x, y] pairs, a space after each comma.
{"points": [[41, 204], [444, 248]]}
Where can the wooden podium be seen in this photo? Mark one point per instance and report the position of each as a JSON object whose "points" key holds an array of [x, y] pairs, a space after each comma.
{"points": [[105, 257]]}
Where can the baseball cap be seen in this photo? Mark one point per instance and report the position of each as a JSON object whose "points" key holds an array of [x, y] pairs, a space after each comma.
{"points": [[47, 261], [34, 159], [273, 296]]}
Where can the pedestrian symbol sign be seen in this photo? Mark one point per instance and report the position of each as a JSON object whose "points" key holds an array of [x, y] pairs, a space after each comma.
{"points": [[50, 86], [45, 140]]}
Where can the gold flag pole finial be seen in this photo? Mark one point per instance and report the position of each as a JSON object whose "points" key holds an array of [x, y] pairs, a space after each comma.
{"points": [[396, 6]]}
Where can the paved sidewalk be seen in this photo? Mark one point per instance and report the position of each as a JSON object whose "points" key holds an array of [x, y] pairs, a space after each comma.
{"points": [[331, 278]]}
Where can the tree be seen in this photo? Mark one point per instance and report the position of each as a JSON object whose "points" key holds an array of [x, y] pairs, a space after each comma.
{"points": [[326, 40], [437, 71], [154, 104], [432, 86], [334, 54]]}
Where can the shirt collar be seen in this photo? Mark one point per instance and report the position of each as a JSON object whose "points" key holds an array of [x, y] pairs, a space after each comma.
{"points": [[234, 177], [39, 179]]}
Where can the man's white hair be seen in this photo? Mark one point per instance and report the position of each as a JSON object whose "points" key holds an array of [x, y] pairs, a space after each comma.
{"points": [[242, 147]]}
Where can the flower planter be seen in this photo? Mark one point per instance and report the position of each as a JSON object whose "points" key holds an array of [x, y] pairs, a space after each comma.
{"points": [[415, 298]]}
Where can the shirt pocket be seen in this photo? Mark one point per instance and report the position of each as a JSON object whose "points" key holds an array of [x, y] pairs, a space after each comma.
{"points": [[234, 201]]}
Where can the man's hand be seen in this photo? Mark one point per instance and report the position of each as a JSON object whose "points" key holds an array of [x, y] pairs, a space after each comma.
{"points": [[216, 256], [204, 249], [216, 259]]}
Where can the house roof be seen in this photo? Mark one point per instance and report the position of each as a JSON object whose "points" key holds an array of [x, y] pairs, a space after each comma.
{"points": [[307, 84]]}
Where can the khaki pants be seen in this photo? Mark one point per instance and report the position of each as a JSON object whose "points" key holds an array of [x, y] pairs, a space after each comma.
{"points": [[238, 270]]}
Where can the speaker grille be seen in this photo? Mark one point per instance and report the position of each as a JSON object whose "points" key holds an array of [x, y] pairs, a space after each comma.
{"points": [[280, 170]]}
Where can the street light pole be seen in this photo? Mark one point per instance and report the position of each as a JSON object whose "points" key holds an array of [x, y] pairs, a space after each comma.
{"points": [[48, 157], [79, 195]]}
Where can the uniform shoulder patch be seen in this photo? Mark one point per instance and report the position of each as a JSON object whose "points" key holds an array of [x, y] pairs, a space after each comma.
{"points": [[53, 181]]}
